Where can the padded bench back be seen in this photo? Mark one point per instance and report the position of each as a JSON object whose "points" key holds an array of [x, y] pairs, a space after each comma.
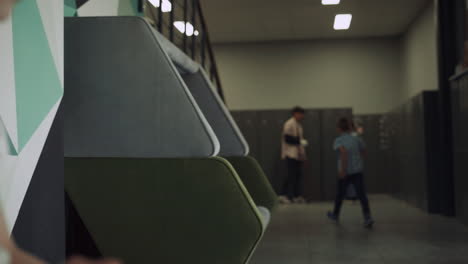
{"points": [[231, 139], [125, 98], [256, 182]]}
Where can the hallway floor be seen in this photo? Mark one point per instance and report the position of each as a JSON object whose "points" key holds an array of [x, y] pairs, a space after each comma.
{"points": [[301, 234]]}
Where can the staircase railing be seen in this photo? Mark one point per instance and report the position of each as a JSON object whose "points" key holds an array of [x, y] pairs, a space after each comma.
{"points": [[183, 23]]}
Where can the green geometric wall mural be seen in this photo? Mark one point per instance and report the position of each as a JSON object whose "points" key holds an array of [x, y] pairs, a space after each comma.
{"points": [[106, 8], [69, 9], [70, 3], [135, 4], [126, 8], [38, 85]]}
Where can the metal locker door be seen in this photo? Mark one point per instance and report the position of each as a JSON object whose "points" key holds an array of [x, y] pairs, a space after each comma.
{"points": [[329, 173], [312, 169]]}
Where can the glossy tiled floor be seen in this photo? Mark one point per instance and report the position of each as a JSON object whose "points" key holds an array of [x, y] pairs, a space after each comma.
{"points": [[301, 234]]}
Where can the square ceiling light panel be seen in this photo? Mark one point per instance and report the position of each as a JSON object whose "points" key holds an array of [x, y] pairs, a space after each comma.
{"points": [[331, 2], [343, 21]]}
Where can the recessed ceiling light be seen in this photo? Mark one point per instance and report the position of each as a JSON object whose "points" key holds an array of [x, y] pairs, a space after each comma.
{"points": [[186, 28], [166, 5], [155, 3], [330, 2], [343, 21]]}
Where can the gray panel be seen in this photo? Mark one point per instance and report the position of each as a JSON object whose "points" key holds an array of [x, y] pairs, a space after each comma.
{"points": [[270, 130], [231, 140], [460, 118], [375, 182], [124, 96], [247, 122], [412, 156], [312, 169], [178, 57]]}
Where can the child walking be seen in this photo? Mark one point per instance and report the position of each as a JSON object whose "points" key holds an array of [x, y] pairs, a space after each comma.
{"points": [[350, 151]]}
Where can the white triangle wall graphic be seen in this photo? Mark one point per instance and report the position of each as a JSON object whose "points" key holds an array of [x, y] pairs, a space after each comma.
{"points": [[99, 8]]}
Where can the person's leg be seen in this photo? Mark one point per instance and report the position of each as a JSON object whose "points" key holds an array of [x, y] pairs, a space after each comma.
{"points": [[340, 195], [289, 181], [298, 181], [358, 181]]}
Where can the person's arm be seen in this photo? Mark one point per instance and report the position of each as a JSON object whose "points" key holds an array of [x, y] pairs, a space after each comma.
{"points": [[344, 162], [288, 131], [291, 140]]}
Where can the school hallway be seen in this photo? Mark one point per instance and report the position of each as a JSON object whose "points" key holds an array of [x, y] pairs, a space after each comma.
{"points": [[301, 234]]}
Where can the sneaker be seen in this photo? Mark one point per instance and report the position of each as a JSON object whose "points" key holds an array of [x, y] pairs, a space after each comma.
{"points": [[332, 216], [369, 223], [284, 200], [299, 200]]}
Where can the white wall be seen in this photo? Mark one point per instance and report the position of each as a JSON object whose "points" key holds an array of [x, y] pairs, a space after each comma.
{"points": [[363, 74], [419, 53], [370, 75]]}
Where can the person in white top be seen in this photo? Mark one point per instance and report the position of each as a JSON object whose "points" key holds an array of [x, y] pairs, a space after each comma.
{"points": [[293, 151]]}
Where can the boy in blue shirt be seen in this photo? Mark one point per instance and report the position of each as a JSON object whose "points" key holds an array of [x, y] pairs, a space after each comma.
{"points": [[350, 151]]}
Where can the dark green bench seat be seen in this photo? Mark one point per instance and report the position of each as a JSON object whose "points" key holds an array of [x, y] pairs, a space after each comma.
{"points": [[165, 210], [256, 182]]}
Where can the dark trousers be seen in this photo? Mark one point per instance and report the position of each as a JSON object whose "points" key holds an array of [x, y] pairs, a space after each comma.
{"points": [[358, 181], [292, 186]]}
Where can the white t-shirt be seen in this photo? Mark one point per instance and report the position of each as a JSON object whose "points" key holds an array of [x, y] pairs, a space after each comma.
{"points": [[294, 129]]}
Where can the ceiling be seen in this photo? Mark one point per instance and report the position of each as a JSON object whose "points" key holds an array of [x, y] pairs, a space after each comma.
{"points": [[268, 20]]}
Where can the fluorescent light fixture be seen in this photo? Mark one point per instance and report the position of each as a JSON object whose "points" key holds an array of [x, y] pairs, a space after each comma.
{"points": [[343, 21], [155, 3], [330, 2], [166, 5], [186, 28]]}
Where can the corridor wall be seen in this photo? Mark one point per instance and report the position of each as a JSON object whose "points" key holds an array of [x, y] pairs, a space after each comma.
{"points": [[412, 162], [375, 137], [31, 148], [460, 129]]}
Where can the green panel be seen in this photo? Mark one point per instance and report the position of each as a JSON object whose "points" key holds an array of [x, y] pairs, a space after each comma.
{"points": [[38, 85], [128, 8], [70, 3], [135, 7], [165, 210], [69, 11], [255, 181]]}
